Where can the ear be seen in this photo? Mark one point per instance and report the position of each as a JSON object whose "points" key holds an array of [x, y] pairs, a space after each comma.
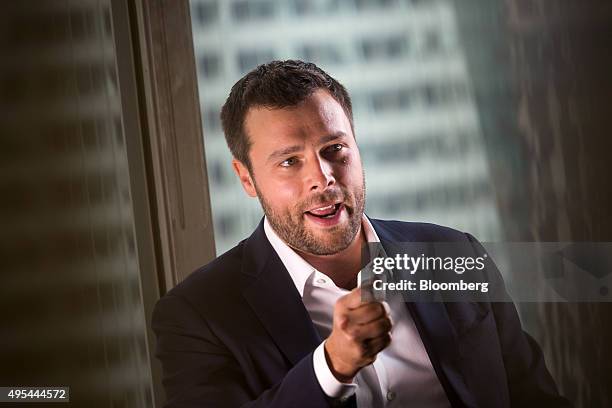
{"points": [[245, 177]]}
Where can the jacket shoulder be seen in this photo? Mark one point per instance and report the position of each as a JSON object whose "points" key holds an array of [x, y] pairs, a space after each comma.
{"points": [[212, 279]]}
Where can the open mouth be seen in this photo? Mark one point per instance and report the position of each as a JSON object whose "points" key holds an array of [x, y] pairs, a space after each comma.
{"points": [[326, 212]]}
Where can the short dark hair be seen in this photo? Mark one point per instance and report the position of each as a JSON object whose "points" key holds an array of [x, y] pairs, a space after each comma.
{"points": [[276, 85]]}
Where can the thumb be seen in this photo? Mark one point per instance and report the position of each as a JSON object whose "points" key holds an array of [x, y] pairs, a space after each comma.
{"points": [[342, 321]]}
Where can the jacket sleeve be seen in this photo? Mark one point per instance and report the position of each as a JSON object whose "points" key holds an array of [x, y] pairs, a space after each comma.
{"points": [[199, 371], [529, 381]]}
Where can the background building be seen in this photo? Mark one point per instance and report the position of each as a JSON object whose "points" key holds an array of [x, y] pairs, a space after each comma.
{"points": [[415, 116]]}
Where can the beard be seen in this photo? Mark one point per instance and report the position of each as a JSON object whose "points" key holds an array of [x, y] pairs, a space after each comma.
{"points": [[290, 223]]}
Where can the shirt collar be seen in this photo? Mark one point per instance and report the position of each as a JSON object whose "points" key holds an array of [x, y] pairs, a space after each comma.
{"points": [[299, 269]]}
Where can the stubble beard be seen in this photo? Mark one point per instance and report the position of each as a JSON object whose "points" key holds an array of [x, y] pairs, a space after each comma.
{"points": [[290, 225]]}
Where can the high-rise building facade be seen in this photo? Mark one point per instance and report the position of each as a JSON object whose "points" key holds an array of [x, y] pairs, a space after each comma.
{"points": [[402, 61]]}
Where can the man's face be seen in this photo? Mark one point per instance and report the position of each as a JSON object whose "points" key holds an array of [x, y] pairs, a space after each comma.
{"points": [[307, 173]]}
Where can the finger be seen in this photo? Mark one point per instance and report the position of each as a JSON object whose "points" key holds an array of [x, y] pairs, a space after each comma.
{"points": [[343, 322], [361, 332], [367, 312], [374, 346], [356, 298], [377, 328], [386, 306], [351, 300]]}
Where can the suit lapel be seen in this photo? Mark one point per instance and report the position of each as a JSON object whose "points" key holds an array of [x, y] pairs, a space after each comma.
{"points": [[436, 331], [271, 293], [441, 344]]}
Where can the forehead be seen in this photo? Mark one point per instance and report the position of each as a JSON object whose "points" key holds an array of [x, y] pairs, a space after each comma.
{"points": [[317, 115]]}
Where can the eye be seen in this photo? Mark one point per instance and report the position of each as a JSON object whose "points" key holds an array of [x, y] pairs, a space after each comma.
{"points": [[335, 148], [288, 162]]}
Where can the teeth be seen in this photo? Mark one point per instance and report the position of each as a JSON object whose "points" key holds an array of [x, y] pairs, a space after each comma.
{"points": [[329, 207], [323, 211]]}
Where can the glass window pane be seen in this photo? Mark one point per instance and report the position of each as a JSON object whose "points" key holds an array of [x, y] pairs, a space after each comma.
{"points": [[72, 303], [415, 115]]}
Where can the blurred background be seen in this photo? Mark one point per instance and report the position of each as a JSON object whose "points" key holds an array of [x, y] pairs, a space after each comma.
{"points": [[490, 116], [71, 305], [406, 68]]}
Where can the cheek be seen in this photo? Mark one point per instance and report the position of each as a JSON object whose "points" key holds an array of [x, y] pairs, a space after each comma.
{"points": [[283, 194], [351, 172]]}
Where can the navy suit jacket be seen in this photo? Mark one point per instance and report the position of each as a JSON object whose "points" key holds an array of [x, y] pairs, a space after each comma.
{"points": [[235, 333]]}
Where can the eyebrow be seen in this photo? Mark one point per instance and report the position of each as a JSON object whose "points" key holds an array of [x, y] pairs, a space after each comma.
{"points": [[297, 148]]}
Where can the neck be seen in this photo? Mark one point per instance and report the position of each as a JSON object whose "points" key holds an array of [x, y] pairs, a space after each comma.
{"points": [[342, 267]]}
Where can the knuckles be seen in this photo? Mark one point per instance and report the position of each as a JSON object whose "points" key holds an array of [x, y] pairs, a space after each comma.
{"points": [[385, 325], [354, 333]]}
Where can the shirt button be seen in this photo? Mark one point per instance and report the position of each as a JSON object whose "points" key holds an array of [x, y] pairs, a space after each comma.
{"points": [[390, 395], [321, 281]]}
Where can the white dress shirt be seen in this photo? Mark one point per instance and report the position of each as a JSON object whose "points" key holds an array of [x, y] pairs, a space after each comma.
{"points": [[402, 374]]}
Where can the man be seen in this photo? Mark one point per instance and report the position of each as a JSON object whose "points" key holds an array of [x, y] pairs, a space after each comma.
{"points": [[281, 321]]}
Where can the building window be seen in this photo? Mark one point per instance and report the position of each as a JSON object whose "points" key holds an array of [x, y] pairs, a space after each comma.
{"points": [[244, 10], [372, 4], [445, 93], [437, 145], [313, 7], [383, 48], [389, 100], [430, 3], [210, 65], [438, 197], [249, 59], [216, 172], [212, 121], [432, 94], [432, 42], [226, 225], [206, 12], [303, 7], [321, 53]]}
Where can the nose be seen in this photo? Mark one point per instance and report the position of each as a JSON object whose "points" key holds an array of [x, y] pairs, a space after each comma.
{"points": [[319, 174]]}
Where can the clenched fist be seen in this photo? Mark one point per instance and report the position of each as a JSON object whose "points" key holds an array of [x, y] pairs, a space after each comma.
{"points": [[360, 331]]}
